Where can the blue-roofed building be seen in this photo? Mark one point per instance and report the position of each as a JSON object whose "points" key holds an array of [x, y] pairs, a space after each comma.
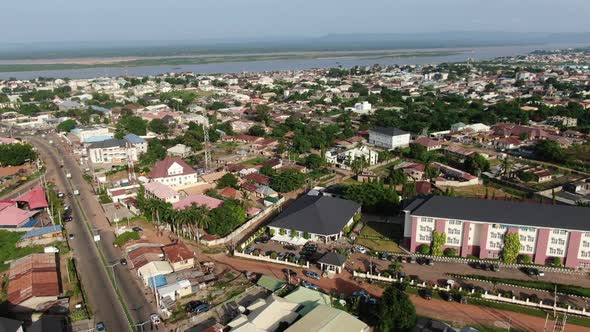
{"points": [[139, 143], [42, 236], [103, 110], [84, 134], [158, 281], [95, 139]]}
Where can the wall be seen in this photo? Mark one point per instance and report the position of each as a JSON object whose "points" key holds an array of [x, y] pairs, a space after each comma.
{"points": [[268, 259]]}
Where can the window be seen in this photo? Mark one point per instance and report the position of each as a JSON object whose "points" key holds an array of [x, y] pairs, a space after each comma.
{"points": [[522, 238], [554, 241], [552, 251], [559, 251], [585, 254], [427, 220], [522, 248], [561, 241], [530, 238], [585, 244]]}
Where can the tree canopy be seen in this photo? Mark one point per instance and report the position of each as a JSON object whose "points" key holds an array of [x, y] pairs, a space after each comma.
{"points": [[374, 197], [287, 180], [226, 218], [131, 124], [396, 311], [158, 126], [476, 164], [16, 154], [66, 126], [227, 180]]}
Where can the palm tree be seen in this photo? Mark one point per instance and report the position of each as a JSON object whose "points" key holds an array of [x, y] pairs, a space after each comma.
{"points": [[358, 165], [427, 160], [506, 167], [396, 176]]}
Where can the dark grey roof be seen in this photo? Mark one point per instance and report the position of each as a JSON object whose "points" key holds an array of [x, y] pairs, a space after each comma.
{"points": [[109, 143], [505, 212], [317, 214], [389, 131], [333, 258]]}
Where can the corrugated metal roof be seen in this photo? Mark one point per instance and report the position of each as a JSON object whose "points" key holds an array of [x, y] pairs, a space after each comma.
{"points": [[42, 231]]}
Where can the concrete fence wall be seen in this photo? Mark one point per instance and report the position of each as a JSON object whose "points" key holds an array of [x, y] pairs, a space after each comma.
{"points": [[238, 231], [269, 259]]}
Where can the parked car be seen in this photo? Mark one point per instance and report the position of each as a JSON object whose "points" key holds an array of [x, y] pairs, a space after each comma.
{"points": [[100, 327], [384, 256], [309, 285], [312, 274], [155, 318], [476, 265], [202, 308], [446, 296], [281, 256], [290, 272], [137, 229], [262, 239], [60, 194], [412, 260], [361, 249], [68, 218], [71, 236], [362, 293], [426, 293], [289, 247], [534, 272], [371, 300], [461, 298], [429, 261], [192, 305], [249, 250], [123, 261], [540, 273], [495, 267]]}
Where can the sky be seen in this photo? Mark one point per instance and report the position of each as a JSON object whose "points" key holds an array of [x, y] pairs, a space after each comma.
{"points": [[31, 21]]}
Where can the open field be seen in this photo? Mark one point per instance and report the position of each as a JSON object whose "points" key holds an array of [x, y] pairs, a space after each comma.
{"points": [[381, 237], [9, 251]]}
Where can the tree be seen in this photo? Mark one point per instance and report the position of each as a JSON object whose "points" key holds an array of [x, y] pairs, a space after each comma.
{"points": [[131, 124], [358, 165], [257, 130], [4, 98], [450, 252], [524, 259], [66, 126], [550, 151], [476, 164], [225, 218], [511, 248], [374, 197], [158, 126], [438, 241], [397, 176], [396, 312], [314, 161], [555, 261], [16, 154], [287, 180], [506, 167], [268, 171], [227, 180]]}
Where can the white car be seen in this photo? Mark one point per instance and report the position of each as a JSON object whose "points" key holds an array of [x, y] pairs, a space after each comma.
{"points": [[361, 249], [155, 319]]}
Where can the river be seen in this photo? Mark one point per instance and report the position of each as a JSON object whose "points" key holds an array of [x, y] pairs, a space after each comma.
{"points": [[463, 54]]}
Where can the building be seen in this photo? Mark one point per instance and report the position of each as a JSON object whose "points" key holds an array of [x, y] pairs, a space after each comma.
{"points": [[324, 318], [33, 281], [345, 158], [148, 262], [317, 218], [562, 121], [477, 227], [139, 143], [13, 217], [179, 256], [389, 138], [161, 191], [362, 108], [41, 236], [428, 143], [114, 151], [175, 173], [92, 134], [179, 150], [265, 315], [199, 200]]}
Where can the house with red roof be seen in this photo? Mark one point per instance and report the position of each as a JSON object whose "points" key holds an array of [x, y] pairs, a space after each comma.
{"points": [[428, 143], [13, 217], [175, 173], [179, 256], [34, 198], [33, 282], [258, 178], [161, 191], [230, 193]]}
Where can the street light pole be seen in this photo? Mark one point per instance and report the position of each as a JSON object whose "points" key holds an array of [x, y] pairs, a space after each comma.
{"points": [[141, 324], [112, 266]]}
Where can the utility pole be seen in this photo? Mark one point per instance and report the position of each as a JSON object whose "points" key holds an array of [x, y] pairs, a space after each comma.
{"points": [[140, 325], [112, 267], [206, 150]]}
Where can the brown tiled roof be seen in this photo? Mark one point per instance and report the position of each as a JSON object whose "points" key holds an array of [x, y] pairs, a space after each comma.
{"points": [[231, 193], [142, 256], [160, 170], [33, 276], [258, 178], [177, 252]]}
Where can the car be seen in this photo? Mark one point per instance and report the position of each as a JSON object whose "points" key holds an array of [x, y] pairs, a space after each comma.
{"points": [[68, 218], [202, 308], [476, 265], [269, 252], [412, 260], [422, 261], [137, 229], [281, 256], [384, 256], [426, 293], [495, 267], [123, 261], [100, 326], [249, 250], [290, 272], [361, 249], [262, 239], [66, 207], [429, 261], [533, 272], [289, 247], [461, 298], [60, 194], [71, 236], [312, 274], [155, 318], [446, 296], [309, 285], [192, 305], [362, 293], [371, 300], [540, 273], [486, 266]]}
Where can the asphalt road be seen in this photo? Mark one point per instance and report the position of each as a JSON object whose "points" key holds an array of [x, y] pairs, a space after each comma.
{"points": [[133, 293], [102, 298]]}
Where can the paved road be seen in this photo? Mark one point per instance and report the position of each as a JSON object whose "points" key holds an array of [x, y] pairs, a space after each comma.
{"points": [[101, 295], [134, 294]]}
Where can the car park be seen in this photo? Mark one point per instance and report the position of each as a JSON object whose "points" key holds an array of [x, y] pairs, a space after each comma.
{"points": [[312, 274], [309, 285]]}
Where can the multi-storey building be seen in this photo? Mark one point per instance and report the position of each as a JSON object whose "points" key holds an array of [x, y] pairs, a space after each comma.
{"points": [[478, 227], [116, 151], [389, 138]]}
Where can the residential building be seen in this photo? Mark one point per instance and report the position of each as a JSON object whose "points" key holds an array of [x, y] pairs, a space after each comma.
{"points": [[562, 121], [316, 218], [179, 150], [13, 217], [428, 143], [33, 282], [139, 143], [161, 191], [199, 200], [324, 318], [345, 158], [113, 151], [389, 138], [41, 236], [179, 256], [175, 173], [92, 134], [478, 227]]}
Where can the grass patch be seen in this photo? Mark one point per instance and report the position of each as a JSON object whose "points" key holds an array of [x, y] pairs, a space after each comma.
{"points": [[542, 285], [381, 237], [253, 161], [9, 251], [126, 237]]}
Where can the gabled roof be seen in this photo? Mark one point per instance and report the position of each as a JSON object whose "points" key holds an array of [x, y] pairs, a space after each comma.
{"points": [[317, 214], [34, 275], [333, 258], [258, 178], [326, 319], [160, 170], [42, 231], [35, 198], [210, 202], [109, 143], [133, 139], [177, 252], [160, 190]]}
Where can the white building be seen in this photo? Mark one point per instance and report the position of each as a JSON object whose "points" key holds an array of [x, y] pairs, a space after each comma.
{"points": [[175, 173], [115, 151], [344, 158], [389, 138], [92, 134], [362, 108]]}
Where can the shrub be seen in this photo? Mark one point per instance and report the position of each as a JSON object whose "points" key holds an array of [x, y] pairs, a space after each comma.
{"points": [[450, 252], [524, 259], [555, 261], [273, 255], [271, 231], [306, 235], [424, 249], [282, 231], [125, 237]]}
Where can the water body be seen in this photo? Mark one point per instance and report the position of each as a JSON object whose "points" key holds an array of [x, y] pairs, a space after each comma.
{"points": [[479, 54]]}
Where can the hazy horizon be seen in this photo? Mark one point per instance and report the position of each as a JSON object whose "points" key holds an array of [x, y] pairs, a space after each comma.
{"points": [[67, 21]]}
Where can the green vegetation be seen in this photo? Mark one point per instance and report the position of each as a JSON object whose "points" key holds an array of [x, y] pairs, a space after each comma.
{"points": [[227, 180], [226, 218], [253, 161], [438, 241], [66, 126], [374, 197], [126, 237], [511, 248], [380, 237], [396, 311], [287, 180], [542, 285], [16, 154], [131, 124], [74, 282], [9, 250]]}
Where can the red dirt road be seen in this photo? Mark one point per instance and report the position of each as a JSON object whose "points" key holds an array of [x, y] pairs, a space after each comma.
{"points": [[459, 314]]}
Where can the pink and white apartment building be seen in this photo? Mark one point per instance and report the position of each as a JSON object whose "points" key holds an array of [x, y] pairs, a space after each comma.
{"points": [[477, 227]]}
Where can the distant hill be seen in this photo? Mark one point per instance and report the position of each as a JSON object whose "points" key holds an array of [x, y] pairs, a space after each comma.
{"points": [[330, 42]]}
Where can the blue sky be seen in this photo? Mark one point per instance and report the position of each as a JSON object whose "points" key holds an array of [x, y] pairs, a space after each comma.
{"points": [[28, 21]]}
